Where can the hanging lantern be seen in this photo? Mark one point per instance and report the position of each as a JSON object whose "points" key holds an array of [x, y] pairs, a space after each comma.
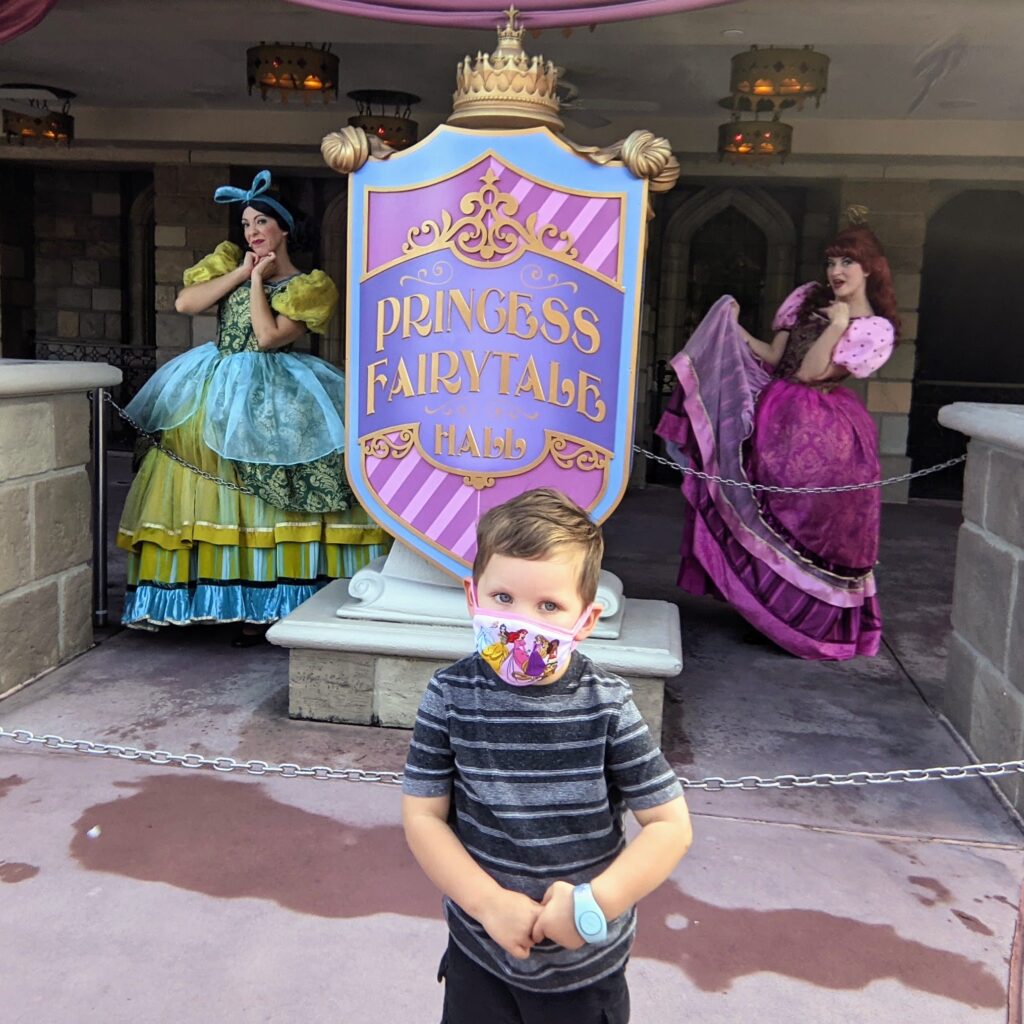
{"points": [[780, 73], [290, 68], [390, 121], [748, 140], [29, 117]]}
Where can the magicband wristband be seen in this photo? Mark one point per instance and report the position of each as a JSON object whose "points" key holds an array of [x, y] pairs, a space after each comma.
{"points": [[588, 915]]}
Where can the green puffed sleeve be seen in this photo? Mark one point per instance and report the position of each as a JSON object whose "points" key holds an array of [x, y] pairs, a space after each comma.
{"points": [[223, 259], [311, 298]]}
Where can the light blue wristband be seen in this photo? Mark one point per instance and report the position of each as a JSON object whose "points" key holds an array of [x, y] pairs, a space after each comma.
{"points": [[588, 915]]}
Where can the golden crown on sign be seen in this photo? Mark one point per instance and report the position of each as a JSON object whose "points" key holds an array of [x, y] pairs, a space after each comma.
{"points": [[506, 88]]}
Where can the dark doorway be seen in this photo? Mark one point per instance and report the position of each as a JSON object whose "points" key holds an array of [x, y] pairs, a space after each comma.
{"points": [[727, 257], [967, 345]]}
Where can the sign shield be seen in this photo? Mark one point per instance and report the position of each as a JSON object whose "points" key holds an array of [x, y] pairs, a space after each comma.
{"points": [[493, 310]]}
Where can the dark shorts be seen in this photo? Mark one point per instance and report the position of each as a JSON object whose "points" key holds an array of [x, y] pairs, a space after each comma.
{"points": [[473, 995]]}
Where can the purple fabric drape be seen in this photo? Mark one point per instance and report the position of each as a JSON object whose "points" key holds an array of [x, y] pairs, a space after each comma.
{"points": [[796, 566], [18, 16], [486, 13]]}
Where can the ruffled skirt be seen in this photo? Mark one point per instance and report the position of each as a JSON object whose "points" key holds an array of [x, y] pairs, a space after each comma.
{"points": [[797, 567], [203, 552]]}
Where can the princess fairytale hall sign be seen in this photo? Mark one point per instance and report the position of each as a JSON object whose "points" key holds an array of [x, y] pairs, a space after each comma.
{"points": [[494, 285]]}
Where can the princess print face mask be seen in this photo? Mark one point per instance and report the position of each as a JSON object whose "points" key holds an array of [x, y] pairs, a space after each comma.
{"points": [[522, 651]]}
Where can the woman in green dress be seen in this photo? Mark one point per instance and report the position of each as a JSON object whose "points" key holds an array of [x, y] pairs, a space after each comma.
{"points": [[248, 410]]}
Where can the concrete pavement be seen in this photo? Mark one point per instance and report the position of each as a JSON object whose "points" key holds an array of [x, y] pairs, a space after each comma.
{"points": [[165, 894]]}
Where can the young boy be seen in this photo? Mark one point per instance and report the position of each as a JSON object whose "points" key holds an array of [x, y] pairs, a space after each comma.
{"points": [[522, 761]]}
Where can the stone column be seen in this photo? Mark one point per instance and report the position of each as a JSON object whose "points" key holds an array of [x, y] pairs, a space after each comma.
{"points": [[45, 509], [898, 213], [189, 225], [78, 255], [984, 693], [816, 231]]}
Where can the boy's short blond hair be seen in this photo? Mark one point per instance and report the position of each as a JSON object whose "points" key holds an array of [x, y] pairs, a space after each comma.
{"points": [[532, 526]]}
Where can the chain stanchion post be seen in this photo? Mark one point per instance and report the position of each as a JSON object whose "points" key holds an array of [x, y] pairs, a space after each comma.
{"points": [[99, 508]]}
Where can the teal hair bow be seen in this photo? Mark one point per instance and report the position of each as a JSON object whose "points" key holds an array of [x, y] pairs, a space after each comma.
{"points": [[260, 185]]}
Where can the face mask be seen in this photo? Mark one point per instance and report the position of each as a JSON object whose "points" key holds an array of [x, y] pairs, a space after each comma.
{"points": [[523, 652]]}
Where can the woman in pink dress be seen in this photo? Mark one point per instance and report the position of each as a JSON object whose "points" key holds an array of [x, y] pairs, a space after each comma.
{"points": [[797, 567]]}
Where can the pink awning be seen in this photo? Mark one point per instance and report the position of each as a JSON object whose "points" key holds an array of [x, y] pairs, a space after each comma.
{"points": [[487, 13], [17, 16]]}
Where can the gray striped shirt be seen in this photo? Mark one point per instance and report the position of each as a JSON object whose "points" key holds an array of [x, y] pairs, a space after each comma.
{"points": [[539, 777]]}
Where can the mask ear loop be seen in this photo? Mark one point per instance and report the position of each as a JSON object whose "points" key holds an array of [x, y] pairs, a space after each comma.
{"points": [[583, 618]]}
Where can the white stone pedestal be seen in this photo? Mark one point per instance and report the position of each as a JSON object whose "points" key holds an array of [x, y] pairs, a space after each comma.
{"points": [[404, 587], [367, 672]]}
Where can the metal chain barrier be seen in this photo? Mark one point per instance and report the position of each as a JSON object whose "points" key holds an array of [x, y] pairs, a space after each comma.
{"points": [[713, 784], [218, 764], [685, 470], [173, 456], [772, 489]]}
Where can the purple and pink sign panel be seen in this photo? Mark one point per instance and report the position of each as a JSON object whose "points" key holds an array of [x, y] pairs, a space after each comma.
{"points": [[493, 307]]}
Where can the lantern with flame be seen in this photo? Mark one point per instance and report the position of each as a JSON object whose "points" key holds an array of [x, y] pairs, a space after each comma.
{"points": [[293, 68]]}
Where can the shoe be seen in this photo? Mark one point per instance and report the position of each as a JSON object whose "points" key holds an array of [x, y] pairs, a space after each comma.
{"points": [[244, 639]]}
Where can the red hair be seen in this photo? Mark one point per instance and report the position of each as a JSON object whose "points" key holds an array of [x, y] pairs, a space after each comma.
{"points": [[860, 244]]}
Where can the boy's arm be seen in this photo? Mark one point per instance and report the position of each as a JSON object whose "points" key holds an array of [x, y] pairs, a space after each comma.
{"points": [[507, 916], [665, 836], [652, 791]]}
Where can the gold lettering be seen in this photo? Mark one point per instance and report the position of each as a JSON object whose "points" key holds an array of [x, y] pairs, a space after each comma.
{"points": [[519, 302], [469, 445], [554, 310], [515, 448], [437, 378], [565, 387], [529, 382], [481, 311], [410, 322], [587, 327], [421, 374], [589, 386], [505, 358], [400, 383], [511, 447], [469, 358], [462, 307], [373, 378], [444, 435], [382, 332], [439, 311]]}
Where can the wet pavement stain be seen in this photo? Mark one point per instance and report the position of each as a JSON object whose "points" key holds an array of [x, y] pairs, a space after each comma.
{"points": [[717, 945], [939, 893], [228, 839], [13, 871], [8, 783], [972, 923]]}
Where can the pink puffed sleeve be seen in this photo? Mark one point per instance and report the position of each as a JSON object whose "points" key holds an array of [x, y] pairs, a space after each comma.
{"points": [[866, 345], [786, 315]]}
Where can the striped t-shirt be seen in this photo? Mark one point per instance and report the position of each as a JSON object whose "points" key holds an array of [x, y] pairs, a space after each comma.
{"points": [[539, 777]]}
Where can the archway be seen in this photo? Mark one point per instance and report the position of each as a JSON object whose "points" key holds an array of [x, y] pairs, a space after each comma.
{"points": [[758, 207], [721, 240]]}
